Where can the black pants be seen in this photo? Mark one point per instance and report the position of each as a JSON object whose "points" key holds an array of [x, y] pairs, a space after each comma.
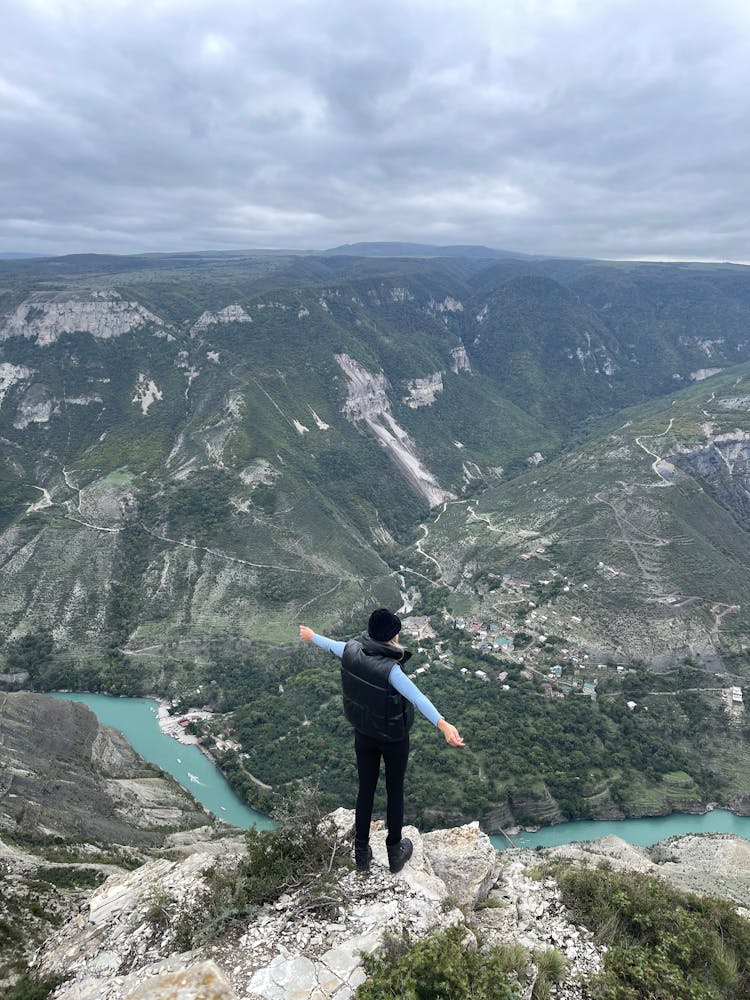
{"points": [[396, 755]]}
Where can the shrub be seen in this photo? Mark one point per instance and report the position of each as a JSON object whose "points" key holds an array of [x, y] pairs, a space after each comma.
{"points": [[297, 857], [441, 967], [662, 943], [30, 987], [552, 967], [160, 903], [72, 878]]}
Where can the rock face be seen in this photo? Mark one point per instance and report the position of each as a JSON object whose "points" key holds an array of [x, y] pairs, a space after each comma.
{"points": [[36, 406], [113, 936], [724, 464], [367, 401], [714, 864], [112, 951], [541, 807], [229, 314], [422, 391], [11, 375], [205, 981], [146, 393], [460, 360], [465, 861], [529, 911], [63, 774], [45, 317]]}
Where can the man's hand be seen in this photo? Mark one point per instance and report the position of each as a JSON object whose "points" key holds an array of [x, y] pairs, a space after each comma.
{"points": [[451, 734], [306, 633]]}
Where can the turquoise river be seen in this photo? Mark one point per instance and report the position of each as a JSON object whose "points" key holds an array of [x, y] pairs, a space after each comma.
{"points": [[136, 720]]}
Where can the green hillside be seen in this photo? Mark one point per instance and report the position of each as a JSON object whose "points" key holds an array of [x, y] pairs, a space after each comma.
{"points": [[645, 522]]}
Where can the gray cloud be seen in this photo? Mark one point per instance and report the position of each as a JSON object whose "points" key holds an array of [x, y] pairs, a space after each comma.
{"points": [[613, 129]]}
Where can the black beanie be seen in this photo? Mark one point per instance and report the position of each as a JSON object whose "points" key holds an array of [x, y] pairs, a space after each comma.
{"points": [[383, 625]]}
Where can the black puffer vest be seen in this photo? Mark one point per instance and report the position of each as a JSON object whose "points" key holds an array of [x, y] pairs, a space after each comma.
{"points": [[371, 705]]}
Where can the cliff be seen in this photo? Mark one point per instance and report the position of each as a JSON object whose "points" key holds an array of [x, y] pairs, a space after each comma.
{"points": [[115, 949], [62, 774], [46, 316], [77, 804]]}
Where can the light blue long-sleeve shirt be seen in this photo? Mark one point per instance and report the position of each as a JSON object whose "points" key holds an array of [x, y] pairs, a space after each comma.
{"points": [[397, 679]]}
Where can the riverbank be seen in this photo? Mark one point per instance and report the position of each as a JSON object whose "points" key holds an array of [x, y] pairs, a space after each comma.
{"points": [[191, 765], [644, 831], [195, 768], [515, 831], [738, 806], [175, 725]]}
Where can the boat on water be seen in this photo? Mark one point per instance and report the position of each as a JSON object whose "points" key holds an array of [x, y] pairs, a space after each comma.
{"points": [[194, 778], [179, 760]]}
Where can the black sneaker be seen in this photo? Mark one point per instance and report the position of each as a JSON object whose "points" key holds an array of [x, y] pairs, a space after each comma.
{"points": [[362, 855], [399, 854]]}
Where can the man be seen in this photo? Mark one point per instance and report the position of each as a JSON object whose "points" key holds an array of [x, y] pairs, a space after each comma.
{"points": [[378, 702]]}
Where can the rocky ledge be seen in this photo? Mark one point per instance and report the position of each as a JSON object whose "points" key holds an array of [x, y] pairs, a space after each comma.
{"points": [[111, 950]]}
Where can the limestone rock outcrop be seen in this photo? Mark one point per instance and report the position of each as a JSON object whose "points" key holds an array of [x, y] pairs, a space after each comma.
{"points": [[465, 860], [200, 982], [422, 391], [45, 316], [115, 948], [229, 314], [367, 401], [460, 359], [11, 375], [112, 951], [715, 864]]}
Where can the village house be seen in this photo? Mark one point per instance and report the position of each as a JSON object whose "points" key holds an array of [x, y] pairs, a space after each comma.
{"points": [[418, 626]]}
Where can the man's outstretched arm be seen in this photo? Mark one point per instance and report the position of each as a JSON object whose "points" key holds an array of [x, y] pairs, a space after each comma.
{"points": [[406, 687], [332, 645]]}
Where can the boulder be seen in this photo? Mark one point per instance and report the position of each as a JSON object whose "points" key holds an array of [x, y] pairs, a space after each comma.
{"points": [[200, 982], [465, 860]]}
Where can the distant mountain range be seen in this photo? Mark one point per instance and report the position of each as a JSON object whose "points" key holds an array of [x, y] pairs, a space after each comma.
{"points": [[200, 447], [420, 250]]}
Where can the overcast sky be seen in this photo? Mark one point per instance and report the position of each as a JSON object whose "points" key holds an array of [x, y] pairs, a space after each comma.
{"points": [[597, 128]]}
